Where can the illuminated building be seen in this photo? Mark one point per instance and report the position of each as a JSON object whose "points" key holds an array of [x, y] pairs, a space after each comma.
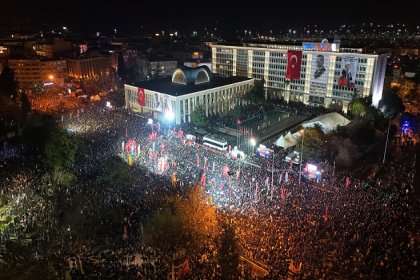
{"points": [[31, 72], [182, 93], [269, 62], [52, 49], [89, 67]]}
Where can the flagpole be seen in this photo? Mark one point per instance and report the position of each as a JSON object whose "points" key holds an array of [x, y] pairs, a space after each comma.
{"points": [[301, 156], [386, 143], [272, 171]]}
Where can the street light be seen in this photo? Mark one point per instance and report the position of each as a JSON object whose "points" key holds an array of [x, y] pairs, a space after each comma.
{"points": [[301, 155], [272, 169], [252, 142], [386, 143], [169, 115]]}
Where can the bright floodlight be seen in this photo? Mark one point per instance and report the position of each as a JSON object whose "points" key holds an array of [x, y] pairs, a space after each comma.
{"points": [[108, 104], [149, 121], [170, 116], [252, 142]]}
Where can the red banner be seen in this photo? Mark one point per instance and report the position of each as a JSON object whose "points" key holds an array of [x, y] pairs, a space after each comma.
{"points": [[294, 61], [141, 97]]}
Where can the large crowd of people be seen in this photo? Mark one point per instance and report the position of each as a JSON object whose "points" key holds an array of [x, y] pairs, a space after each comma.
{"points": [[343, 227]]}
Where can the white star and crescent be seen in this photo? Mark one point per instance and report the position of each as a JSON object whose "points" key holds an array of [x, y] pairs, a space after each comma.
{"points": [[291, 60]]}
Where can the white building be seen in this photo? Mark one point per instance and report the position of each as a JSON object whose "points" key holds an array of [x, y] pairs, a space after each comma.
{"points": [[184, 91], [269, 62]]}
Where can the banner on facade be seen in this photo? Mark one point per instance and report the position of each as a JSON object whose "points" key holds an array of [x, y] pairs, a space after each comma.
{"points": [[294, 61]]}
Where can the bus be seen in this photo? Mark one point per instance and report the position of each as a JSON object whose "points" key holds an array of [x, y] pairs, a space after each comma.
{"points": [[215, 142]]}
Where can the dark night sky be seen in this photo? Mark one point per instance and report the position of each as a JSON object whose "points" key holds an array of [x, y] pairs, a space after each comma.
{"points": [[155, 15]]}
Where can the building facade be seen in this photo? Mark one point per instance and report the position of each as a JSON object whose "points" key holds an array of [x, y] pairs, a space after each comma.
{"points": [[89, 67], [53, 49], [188, 88], [32, 72], [269, 62]]}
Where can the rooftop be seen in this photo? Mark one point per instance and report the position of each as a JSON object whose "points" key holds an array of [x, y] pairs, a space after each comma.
{"points": [[165, 85]]}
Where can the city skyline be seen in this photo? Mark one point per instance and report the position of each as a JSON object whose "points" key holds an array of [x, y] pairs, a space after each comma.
{"points": [[214, 17]]}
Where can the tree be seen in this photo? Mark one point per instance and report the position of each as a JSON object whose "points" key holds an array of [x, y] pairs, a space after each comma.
{"points": [[59, 149], [183, 223], [122, 69], [117, 172], [237, 112], [314, 146], [8, 85], [8, 88], [198, 117], [256, 93], [197, 215], [228, 254], [164, 231], [391, 104], [133, 74], [359, 107], [361, 132], [25, 104]]}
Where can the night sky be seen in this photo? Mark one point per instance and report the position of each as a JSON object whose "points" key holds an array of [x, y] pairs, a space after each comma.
{"points": [[187, 15]]}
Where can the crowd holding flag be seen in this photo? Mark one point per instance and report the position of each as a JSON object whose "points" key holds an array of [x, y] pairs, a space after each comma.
{"points": [[203, 179]]}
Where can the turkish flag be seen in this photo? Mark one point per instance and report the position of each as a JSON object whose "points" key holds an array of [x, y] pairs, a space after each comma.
{"points": [[294, 61], [140, 97]]}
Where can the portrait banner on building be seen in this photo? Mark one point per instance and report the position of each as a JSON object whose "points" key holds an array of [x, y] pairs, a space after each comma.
{"points": [[162, 103], [141, 98], [294, 62], [319, 72], [319, 68], [348, 71]]}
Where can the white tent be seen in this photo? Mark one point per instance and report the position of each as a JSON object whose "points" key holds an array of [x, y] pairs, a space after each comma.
{"points": [[290, 138], [286, 141], [328, 122]]}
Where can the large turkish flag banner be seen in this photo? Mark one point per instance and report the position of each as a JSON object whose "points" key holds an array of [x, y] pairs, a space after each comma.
{"points": [[294, 61], [140, 97]]}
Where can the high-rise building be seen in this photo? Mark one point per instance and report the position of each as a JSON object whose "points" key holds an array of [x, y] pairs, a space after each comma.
{"points": [[346, 73]]}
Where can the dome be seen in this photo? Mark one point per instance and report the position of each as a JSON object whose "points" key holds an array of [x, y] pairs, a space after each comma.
{"points": [[188, 75]]}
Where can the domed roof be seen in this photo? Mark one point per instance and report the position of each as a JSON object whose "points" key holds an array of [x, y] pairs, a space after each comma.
{"points": [[187, 75]]}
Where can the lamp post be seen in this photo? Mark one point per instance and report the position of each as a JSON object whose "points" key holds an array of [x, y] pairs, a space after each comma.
{"points": [[170, 117], [301, 155], [272, 169], [253, 143]]}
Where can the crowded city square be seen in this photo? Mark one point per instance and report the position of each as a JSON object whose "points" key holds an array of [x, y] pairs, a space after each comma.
{"points": [[287, 225]]}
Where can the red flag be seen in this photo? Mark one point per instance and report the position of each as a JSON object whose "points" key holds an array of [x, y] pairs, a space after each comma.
{"points": [[347, 182], [203, 180], [282, 193], [326, 214], [225, 170], [140, 97], [294, 61]]}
